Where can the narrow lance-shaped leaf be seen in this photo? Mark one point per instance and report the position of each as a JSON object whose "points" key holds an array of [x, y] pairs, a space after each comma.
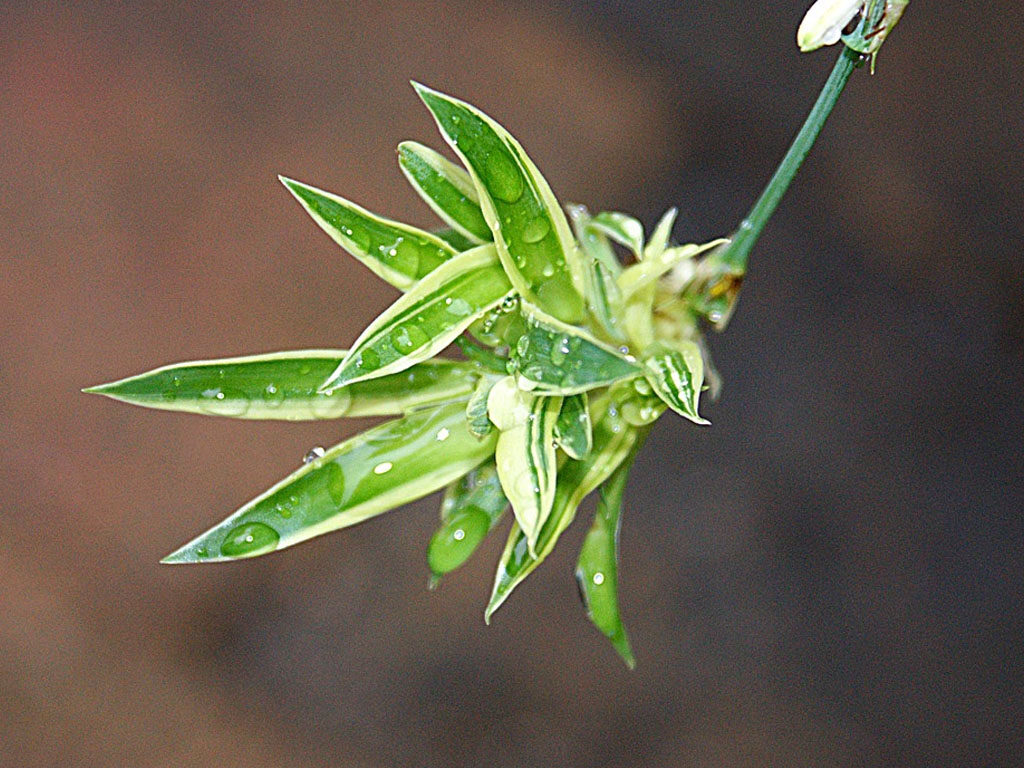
{"points": [[600, 272], [371, 473], [283, 385], [597, 569], [427, 318], [472, 506], [563, 359], [525, 452], [455, 239], [677, 376], [530, 230], [397, 253], [573, 432], [446, 188], [622, 228], [613, 441]]}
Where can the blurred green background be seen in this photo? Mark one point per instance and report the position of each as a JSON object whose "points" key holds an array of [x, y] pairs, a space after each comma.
{"points": [[830, 575]]}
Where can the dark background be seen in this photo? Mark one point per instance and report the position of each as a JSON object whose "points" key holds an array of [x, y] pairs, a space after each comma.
{"points": [[831, 575]]}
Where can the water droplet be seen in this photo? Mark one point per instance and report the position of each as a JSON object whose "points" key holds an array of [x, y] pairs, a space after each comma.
{"points": [[598, 578], [224, 403], [548, 270], [314, 453], [536, 230], [460, 308], [504, 179], [443, 434], [459, 534], [331, 405], [272, 396], [202, 552], [509, 303], [384, 466], [407, 338], [250, 539]]}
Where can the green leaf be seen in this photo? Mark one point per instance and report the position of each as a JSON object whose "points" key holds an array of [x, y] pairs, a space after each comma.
{"points": [[600, 272], [622, 228], [485, 358], [397, 253], [427, 318], [283, 385], [530, 230], [472, 506], [525, 453], [455, 239], [563, 359], [371, 473], [573, 432], [476, 408], [613, 442], [446, 188], [597, 569], [677, 376]]}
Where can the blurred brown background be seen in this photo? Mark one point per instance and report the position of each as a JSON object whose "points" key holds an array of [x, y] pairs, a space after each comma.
{"points": [[831, 575]]}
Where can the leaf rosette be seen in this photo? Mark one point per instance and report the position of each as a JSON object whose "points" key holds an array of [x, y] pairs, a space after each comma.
{"points": [[576, 334]]}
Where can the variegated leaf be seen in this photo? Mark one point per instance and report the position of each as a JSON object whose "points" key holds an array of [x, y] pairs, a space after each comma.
{"points": [[371, 473], [573, 431], [622, 228], [283, 385], [613, 442], [530, 230], [557, 358], [525, 453], [597, 569], [446, 188], [397, 253], [677, 375], [427, 318]]}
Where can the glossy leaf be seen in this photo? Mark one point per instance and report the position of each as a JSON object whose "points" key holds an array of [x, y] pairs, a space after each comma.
{"points": [[597, 569], [530, 230], [556, 358], [485, 358], [455, 239], [613, 442], [622, 228], [446, 188], [525, 452], [426, 319], [600, 272], [283, 385], [397, 253], [677, 376], [472, 506], [380, 469], [573, 431]]}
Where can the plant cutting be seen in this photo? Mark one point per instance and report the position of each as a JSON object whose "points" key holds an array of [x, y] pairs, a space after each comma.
{"points": [[577, 331]]}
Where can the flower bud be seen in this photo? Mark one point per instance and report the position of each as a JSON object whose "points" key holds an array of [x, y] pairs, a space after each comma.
{"points": [[823, 24]]}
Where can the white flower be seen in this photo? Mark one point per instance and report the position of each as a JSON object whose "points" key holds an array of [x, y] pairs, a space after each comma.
{"points": [[824, 22]]}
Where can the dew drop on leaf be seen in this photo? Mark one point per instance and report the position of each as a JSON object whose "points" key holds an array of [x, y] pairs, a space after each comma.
{"points": [[250, 539]]}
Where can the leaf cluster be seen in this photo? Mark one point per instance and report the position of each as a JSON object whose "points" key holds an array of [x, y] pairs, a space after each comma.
{"points": [[570, 353]]}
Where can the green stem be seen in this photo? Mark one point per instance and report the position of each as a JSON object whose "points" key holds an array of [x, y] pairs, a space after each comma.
{"points": [[734, 256]]}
